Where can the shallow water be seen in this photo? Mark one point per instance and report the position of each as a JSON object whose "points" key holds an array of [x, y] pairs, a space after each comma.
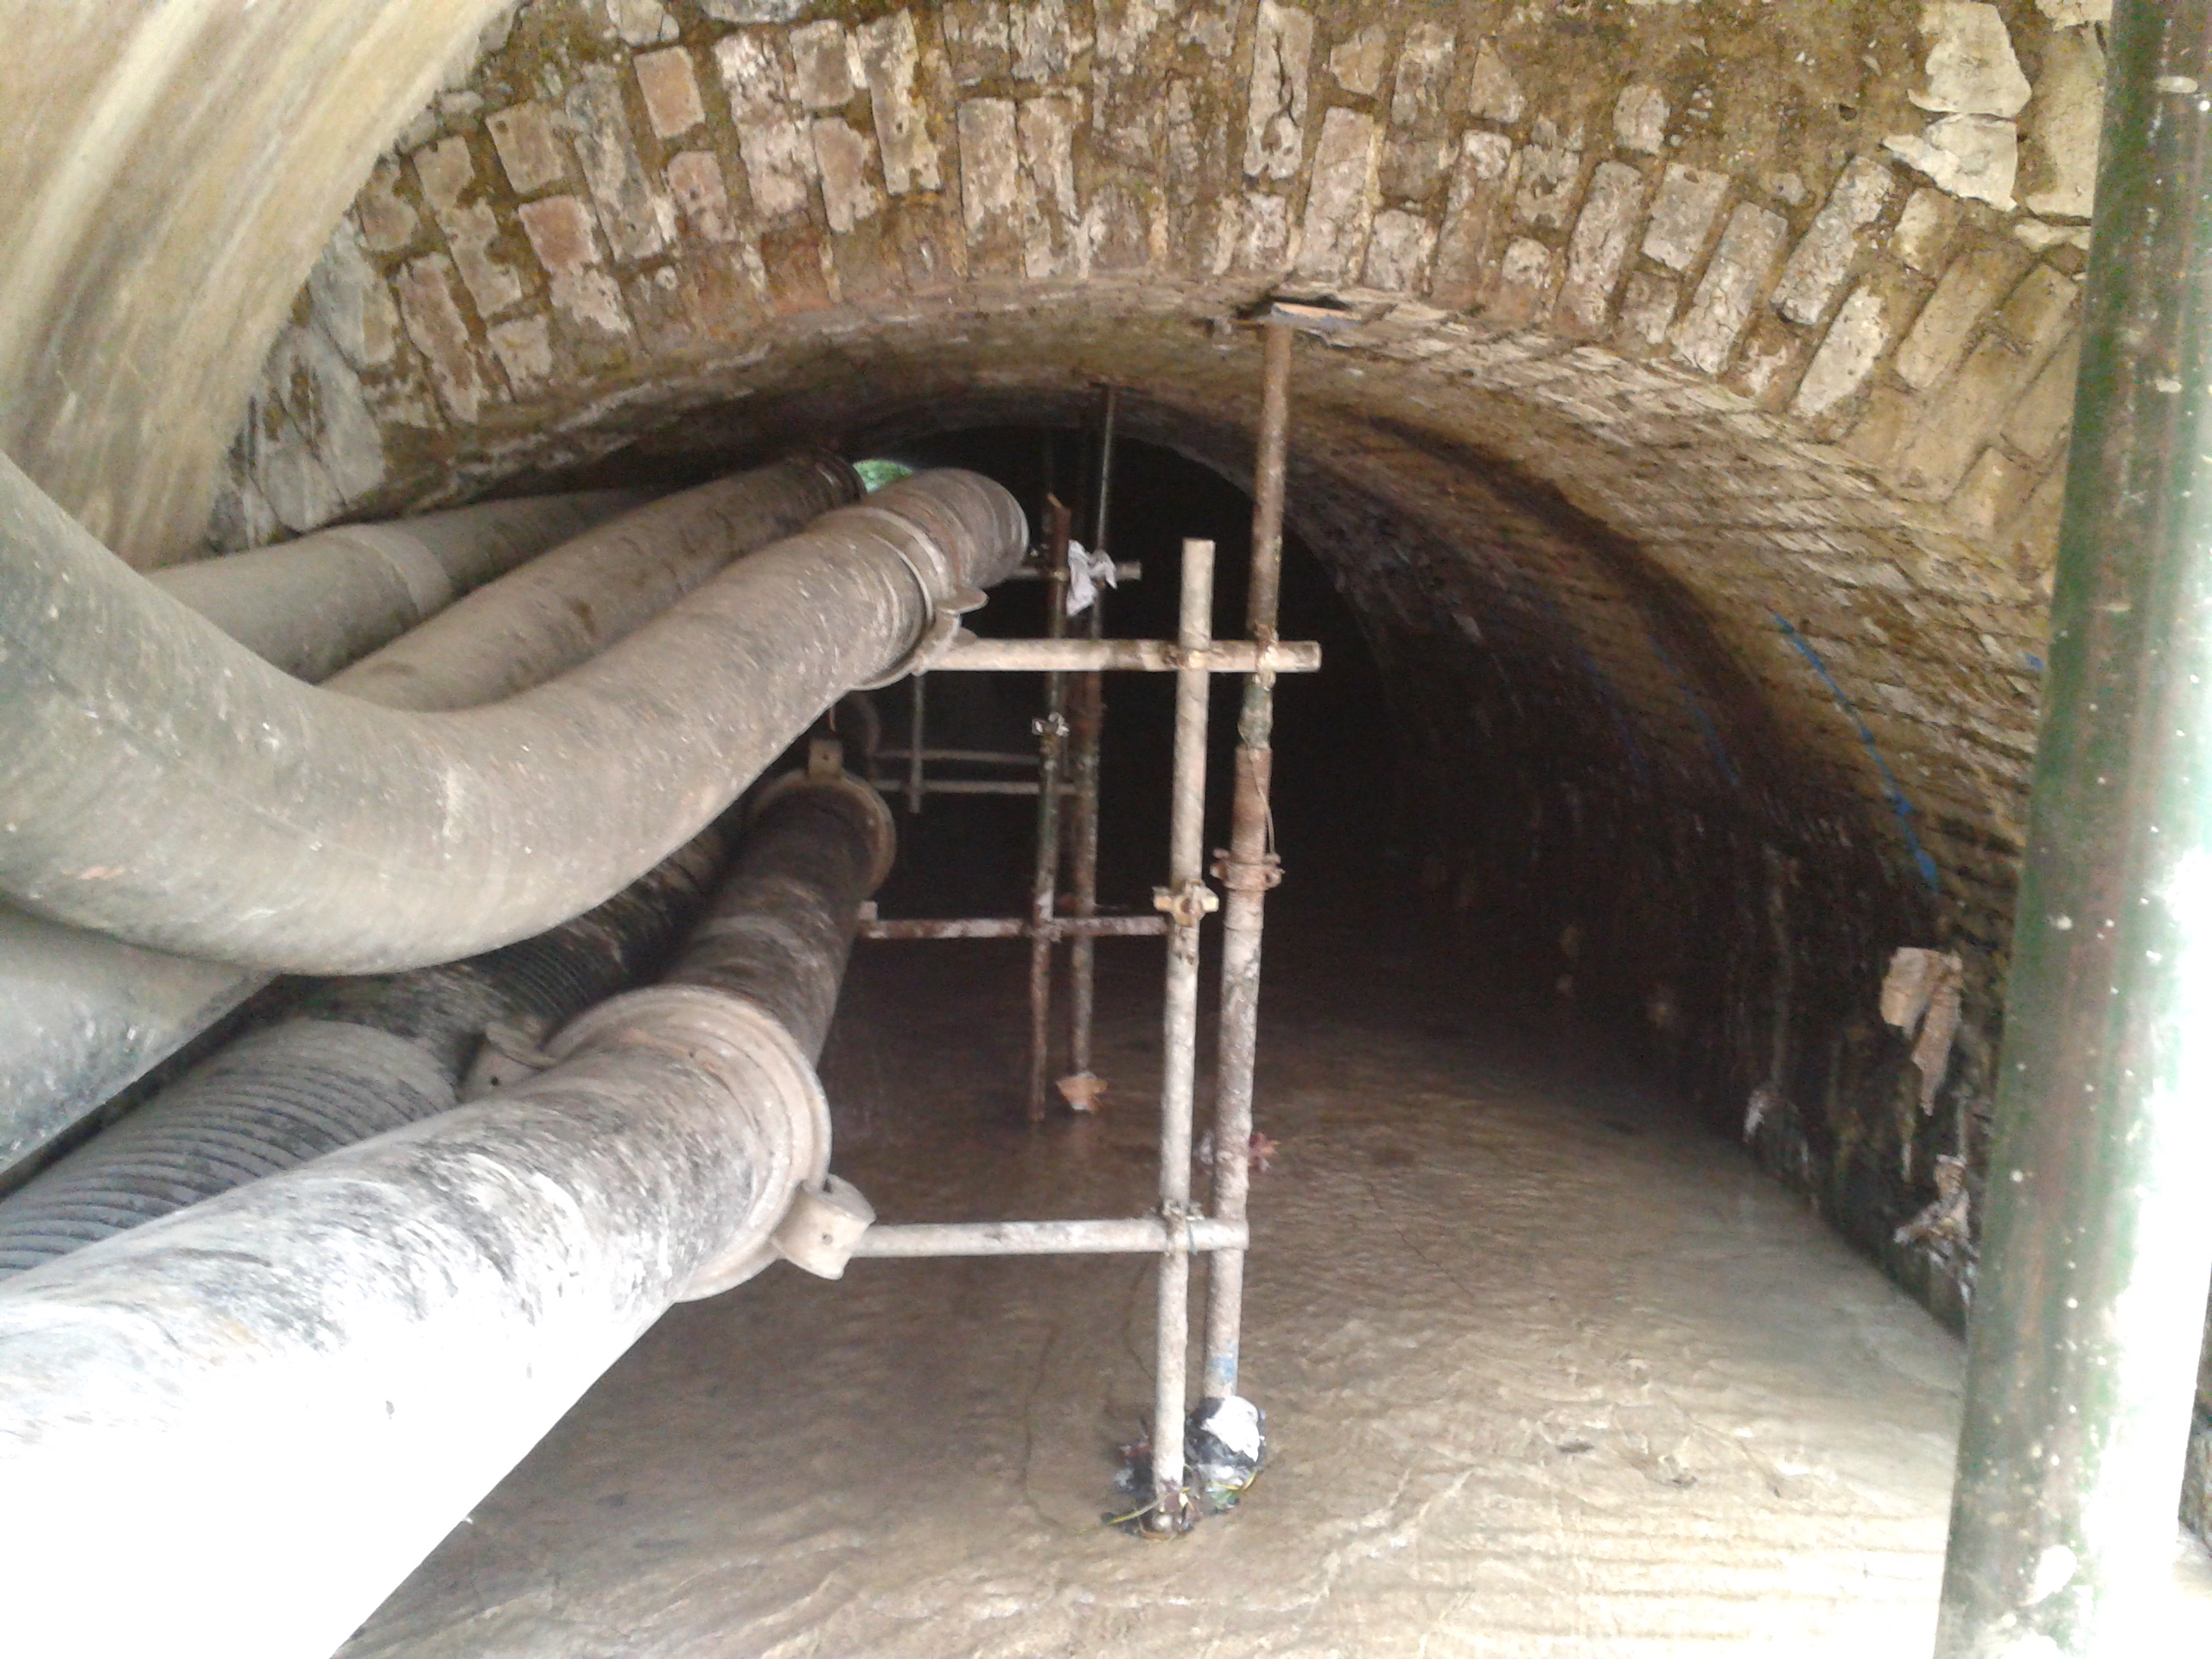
{"points": [[1549, 1371]]}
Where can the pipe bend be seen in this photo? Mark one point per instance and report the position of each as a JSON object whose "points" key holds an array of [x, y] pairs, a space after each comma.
{"points": [[160, 783]]}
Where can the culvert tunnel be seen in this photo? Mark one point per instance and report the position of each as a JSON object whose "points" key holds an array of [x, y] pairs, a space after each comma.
{"points": [[1679, 422]]}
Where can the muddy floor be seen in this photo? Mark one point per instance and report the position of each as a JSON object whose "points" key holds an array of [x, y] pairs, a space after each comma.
{"points": [[1549, 1371]]}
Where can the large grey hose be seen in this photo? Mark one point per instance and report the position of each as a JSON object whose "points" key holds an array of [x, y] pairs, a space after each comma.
{"points": [[82, 1014], [562, 608], [312, 606], [354, 1058], [161, 784], [231, 1432]]}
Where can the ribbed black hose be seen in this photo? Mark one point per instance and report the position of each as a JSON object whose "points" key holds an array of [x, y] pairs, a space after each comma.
{"points": [[357, 1057], [780, 928]]}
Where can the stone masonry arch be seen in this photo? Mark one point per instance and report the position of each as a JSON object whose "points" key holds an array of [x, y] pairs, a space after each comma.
{"points": [[1703, 429], [1694, 461]]}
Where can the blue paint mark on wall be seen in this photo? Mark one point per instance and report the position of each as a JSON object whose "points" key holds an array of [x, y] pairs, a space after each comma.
{"points": [[1898, 805], [1699, 712]]}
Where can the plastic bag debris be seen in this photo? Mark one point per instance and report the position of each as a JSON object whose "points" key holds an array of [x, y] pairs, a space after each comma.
{"points": [[1086, 572], [1922, 989], [1224, 1449]]}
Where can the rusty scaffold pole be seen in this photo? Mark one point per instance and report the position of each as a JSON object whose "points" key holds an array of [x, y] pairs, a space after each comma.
{"points": [[1247, 870], [2097, 1238], [1088, 724], [1186, 899], [1051, 740]]}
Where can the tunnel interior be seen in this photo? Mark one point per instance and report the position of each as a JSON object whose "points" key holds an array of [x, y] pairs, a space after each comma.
{"points": [[1677, 440]]}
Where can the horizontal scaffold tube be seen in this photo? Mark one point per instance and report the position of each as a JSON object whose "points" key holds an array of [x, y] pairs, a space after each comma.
{"points": [[312, 606], [352, 1059], [82, 1014], [234, 1430], [160, 783]]}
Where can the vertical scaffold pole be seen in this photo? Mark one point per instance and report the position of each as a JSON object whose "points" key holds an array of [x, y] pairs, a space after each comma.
{"points": [[1088, 721], [2097, 1238], [1051, 740], [1247, 872], [1186, 899], [917, 734]]}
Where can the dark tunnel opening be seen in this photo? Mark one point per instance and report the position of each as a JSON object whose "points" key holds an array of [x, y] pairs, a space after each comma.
{"points": [[1336, 798]]}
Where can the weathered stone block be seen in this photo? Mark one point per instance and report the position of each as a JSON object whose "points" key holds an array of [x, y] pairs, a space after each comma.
{"points": [[1923, 232], [1524, 281], [525, 348], [1742, 266], [1971, 68], [755, 11], [1122, 229], [889, 56], [1399, 252], [1423, 72], [1482, 183], [1820, 261], [1977, 157], [641, 22], [2039, 310], [720, 294], [1493, 94], [975, 39], [639, 222], [1341, 199], [1648, 306], [2045, 410], [561, 233], [331, 420], [1043, 39], [933, 253], [1964, 296], [847, 161], [796, 282], [1274, 121], [1954, 426], [671, 91], [388, 223], [1358, 63], [1769, 361], [530, 151], [1260, 234], [444, 171], [434, 323], [351, 301], [777, 154], [1045, 188], [1855, 342], [825, 73], [695, 178], [1550, 177], [1682, 213], [1604, 236], [989, 178], [659, 309], [1995, 487], [1414, 164], [1640, 120], [2064, 131]]}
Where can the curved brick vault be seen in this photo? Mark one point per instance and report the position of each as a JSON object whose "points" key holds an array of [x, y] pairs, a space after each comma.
{"points": [[1694, 467]]}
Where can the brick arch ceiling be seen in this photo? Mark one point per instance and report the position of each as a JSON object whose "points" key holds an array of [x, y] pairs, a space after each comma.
{"points": [[1779, 297]]}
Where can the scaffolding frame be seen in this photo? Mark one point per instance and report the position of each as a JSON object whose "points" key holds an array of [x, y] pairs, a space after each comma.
{"points": [[1177, 1230]]}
